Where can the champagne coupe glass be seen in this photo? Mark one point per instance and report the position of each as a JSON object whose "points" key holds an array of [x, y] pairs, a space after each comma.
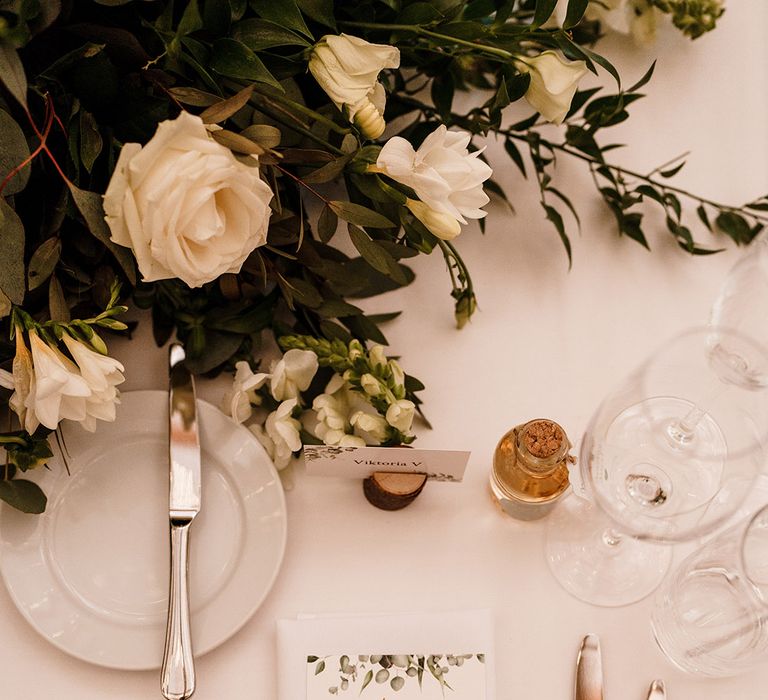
{"points": [[686, 430]]}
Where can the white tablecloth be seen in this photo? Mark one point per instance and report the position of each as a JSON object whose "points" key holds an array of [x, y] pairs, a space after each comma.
{"points": [[545, 342]]}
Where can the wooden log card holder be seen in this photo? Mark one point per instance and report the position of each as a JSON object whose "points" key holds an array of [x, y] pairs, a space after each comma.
{"points": [[393, 490]]}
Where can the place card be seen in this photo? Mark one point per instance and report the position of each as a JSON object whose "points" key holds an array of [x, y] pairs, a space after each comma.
{"points": [[361, 462]]}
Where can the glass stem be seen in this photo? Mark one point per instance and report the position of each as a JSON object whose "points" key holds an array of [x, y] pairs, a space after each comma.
{"points": [[611, 538]]}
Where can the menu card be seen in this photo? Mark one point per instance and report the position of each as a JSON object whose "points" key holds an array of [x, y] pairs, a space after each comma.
{"points": [[424, 656]]}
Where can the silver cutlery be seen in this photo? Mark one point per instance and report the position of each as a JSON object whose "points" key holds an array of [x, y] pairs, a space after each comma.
{"points": [[178, 671], [657, 691], [589, 670]]}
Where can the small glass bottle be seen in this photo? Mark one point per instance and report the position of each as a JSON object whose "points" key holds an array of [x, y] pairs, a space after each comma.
{"points": [[530, 469]]}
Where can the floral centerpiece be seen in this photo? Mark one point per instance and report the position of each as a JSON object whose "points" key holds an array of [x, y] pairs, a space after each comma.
{"points": [[212, 160]]}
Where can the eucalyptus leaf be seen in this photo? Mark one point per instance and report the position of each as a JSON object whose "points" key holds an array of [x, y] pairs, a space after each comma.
{"points": [[284, 13], [221, 111], [13, 151], [58, 309], [43, 262], [266, 136], [12, 73], [259, 34], [193, 96], [12, 259], [327, 224], [90, 140], [89, 204], [23, 495]]}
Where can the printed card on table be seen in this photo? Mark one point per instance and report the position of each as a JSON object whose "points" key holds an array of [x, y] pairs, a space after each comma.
{"points": [[459, 676], [361, 462]]}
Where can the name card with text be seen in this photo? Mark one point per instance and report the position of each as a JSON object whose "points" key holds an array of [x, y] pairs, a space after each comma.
{"points": [[361, 462]]}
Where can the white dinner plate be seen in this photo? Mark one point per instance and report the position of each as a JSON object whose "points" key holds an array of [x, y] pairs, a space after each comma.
{"points": [[91, 573]]}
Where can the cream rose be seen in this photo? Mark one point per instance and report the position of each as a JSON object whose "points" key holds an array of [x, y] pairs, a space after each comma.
{"points": [[185, 205], [554, 81], [446, 177], [348, 68]]}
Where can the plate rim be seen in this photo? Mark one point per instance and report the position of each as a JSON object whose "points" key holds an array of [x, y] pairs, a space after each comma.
{"points": [[158, 394]]}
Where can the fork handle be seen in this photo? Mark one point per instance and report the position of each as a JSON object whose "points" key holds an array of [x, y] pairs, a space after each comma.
{"points": [[178, 672]]}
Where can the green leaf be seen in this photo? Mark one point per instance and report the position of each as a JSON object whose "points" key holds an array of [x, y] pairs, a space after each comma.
{"points": [[543, 11], [442, 92], [358, 214], [90, 140], [320, 668], [646, 77], [258, 34], [734, 225], [328, 172], [378, 258], [193, 96], [672, 171], [234, 59], [702, 213], [576, 10], [43, 262], [191, 20], [90, 206], [221, 111], [327, 224], [419, 13], [12, 259], [366, 681], [58, 309], [319, 10], [554, 216], [514, 153], [12, 73], [284, 13], [211, 349], [13, 151], [236, 142], [265, 135], [23, 495]]}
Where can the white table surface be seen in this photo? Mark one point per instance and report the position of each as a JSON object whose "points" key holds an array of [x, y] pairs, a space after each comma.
{"points": [[546, 342]]}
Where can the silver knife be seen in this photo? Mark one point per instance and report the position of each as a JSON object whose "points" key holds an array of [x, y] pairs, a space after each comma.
{"points": [[657, 691], [589, 670], [178, 672]]}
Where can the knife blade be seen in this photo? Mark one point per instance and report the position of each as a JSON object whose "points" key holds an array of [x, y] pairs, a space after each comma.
{"points": [[178, 669], [589, 670], [657, 691]]}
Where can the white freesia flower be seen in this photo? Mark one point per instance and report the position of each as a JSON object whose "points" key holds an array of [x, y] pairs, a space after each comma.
{"points": [[439, 223], [102, 374], [57, 389], [23, 383], [398, 375], [280, 435], [348, 68], [240, 398], [446, 177], [185, 205], [293, 374], [554, 81], [400, 415]]}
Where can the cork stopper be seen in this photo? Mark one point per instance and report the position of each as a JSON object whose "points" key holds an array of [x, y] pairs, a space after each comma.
{"points": [[542, 438]]}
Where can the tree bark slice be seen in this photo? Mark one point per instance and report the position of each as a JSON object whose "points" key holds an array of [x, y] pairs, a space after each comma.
{"points": [[393, 490]]}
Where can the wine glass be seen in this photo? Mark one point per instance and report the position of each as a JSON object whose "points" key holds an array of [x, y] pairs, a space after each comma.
{"points": [[667, 457], [711, 616]]}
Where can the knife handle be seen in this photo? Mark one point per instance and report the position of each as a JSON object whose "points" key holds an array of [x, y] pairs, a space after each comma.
{"points": [[178, 672]]}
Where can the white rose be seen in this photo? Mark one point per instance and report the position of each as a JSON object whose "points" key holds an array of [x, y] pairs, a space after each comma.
{"points": [[554, 81], [238, 401], [348, 68], [293, 374], [280, 435], [400, 415], [185, 205], [446, 177], [102, 374]]}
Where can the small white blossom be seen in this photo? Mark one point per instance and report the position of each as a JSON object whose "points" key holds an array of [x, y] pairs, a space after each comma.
{"points": [[293, 374], [442, 225], [240, 398], [333, 410], [400, 415], [370, 426], [280, 435], [370, 384], [554, 81]]}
